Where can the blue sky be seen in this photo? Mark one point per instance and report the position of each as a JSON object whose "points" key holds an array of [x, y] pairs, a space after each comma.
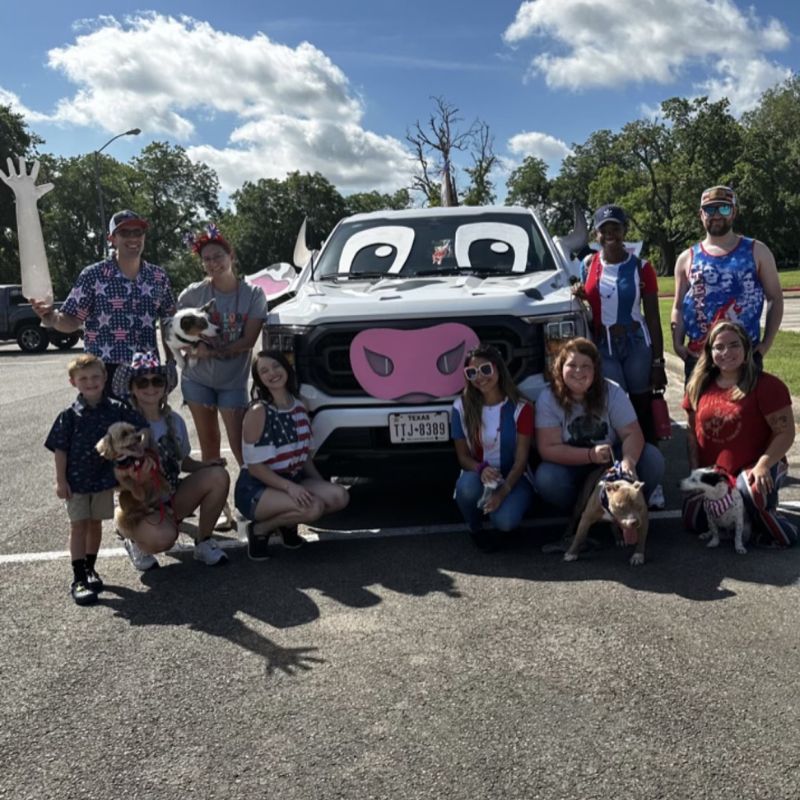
{"points": [[258, 89]]}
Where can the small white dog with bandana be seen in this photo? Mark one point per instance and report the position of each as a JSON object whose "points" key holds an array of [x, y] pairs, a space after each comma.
{"points": [[723, 505]]}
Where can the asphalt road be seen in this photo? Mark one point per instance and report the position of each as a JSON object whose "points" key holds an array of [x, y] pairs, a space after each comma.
{"points": [[388, 666]]}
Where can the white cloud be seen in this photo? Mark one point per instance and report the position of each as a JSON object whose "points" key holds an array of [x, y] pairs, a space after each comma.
{"points": [[18, 107], [743, 84], [541, 145], [609, 43], [291, 108], [349, 156]]}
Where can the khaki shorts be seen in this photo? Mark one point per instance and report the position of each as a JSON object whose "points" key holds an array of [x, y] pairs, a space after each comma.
{"points": [[97, 505]]}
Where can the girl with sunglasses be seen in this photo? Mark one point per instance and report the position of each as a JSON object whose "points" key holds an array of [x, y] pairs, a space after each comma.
{"points": [[492, 430], [146, 384]]}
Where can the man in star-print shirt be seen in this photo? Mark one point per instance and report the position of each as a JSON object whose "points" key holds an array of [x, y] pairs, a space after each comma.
{"points": [[116, 301]]}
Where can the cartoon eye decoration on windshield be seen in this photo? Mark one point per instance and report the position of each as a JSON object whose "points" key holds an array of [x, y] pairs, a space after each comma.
{"points": [[383, 249], [492, 245]]}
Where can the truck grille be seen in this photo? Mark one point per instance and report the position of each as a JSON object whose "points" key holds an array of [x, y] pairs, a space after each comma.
{"points": [[322, 358]]}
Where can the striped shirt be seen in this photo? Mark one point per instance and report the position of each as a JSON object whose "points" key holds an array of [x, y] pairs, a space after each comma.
{"points": [[285, 442]]}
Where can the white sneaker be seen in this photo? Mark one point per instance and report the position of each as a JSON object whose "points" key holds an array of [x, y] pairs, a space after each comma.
{"points": [[208, 551], [657, 500], [141, 560]]}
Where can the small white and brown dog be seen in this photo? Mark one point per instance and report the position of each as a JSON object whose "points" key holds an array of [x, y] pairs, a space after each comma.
{"points": [[187, 329], [723, 505], [609, 495]]}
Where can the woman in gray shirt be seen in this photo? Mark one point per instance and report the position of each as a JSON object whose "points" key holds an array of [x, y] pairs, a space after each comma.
{"points": [[217, 380]]}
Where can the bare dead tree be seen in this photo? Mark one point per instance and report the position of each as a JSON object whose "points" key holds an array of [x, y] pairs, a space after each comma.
{"points": [[434, 145], [481, 191]]}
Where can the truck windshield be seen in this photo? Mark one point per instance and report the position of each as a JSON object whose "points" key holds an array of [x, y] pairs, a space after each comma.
{"points": [[487, 244]]}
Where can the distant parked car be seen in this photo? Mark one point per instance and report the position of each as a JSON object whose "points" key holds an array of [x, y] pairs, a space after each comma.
{"points": [[19, 321]]}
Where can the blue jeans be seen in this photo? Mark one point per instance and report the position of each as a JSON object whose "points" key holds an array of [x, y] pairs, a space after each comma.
{"points": [[629, 360], [561, 485], [507, 517]]}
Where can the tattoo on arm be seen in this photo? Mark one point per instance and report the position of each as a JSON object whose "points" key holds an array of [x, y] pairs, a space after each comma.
{"points": [[780, 421]]}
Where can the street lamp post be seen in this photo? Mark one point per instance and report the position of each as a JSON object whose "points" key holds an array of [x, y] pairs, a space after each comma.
{"points": [[98, 186]]}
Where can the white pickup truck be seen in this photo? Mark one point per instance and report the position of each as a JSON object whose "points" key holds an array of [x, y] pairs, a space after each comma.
{"points": [[377, 324]]}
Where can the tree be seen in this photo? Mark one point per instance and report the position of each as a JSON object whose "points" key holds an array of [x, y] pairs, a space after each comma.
{"points": [[15, 141], [364, 202], [435, 145], [176, 195], [480, 191], [528, 185], [269, 213], [767, 174]]}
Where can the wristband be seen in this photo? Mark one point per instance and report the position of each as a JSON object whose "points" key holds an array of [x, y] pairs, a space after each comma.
{"points": [[481, 467], [589, 453]]}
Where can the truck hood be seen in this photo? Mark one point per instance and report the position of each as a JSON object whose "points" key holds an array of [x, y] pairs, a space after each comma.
{"points": [[425, 297]]}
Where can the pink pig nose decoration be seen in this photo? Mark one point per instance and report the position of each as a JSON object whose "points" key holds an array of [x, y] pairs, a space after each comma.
{"points": [[412, 366]]}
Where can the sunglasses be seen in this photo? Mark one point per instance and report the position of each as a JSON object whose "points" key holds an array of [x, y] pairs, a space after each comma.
{"points": [[723, 210], [130, 233], [485, 369], [157, 382]]}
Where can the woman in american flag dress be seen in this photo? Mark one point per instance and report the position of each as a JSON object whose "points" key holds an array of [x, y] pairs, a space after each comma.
{"points": [[279, 486]]}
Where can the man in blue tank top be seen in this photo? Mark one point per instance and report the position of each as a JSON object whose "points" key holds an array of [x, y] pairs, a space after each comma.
{"points": [[726, 276]]}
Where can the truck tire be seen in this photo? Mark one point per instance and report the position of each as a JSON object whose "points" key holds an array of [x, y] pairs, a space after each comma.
{"points": [[65, 341], [32, 339]]}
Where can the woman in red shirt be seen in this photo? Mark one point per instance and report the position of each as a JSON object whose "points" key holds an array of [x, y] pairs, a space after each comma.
{"points": [[741, 422]]}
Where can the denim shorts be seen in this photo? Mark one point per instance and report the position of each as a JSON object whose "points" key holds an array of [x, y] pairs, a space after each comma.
{"points": [[194, 392], [248, 491]]}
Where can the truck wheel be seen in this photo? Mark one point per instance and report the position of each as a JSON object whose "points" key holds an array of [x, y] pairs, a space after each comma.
{"points": [[65, 341], [32, 339]]}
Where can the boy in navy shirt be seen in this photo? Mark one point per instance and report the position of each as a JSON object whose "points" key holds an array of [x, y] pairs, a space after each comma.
{"points": [[84, 479]]}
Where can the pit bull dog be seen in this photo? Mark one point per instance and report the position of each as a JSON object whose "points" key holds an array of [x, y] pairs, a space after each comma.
{"points": [[616, 499]]}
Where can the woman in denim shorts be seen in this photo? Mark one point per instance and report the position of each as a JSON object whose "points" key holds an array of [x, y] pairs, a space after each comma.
{"points": [[217, 382], [279, 485]]}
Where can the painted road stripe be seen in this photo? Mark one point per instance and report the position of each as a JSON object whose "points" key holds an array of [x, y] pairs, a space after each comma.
{"points": [[322, 535]]}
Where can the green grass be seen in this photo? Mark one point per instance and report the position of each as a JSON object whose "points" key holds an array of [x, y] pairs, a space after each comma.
{"points": [[782, 359], [790, 279]]}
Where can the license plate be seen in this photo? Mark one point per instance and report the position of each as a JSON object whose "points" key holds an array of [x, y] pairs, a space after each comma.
{"points": [[429, 426]]}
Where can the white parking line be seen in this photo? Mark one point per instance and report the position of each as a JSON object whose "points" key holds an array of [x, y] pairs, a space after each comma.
{"points": [[312, 535], [324, 535]]}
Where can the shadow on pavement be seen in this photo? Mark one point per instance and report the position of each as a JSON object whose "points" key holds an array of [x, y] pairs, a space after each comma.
{"points": [[355, 574]]}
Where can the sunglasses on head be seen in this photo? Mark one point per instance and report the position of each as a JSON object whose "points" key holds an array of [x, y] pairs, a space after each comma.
{"points": [[724, 210], [157, 382], [485, 369]]}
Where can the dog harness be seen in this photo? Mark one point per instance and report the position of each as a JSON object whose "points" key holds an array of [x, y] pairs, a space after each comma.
{"points": [[614, 473]]}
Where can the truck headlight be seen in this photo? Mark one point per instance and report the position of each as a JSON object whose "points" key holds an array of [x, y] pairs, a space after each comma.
{"points": [[282, 338]]}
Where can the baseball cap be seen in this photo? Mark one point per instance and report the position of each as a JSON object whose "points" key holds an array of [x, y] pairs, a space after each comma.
{"points": [[718, 196], [126, 219], [609, 213]]}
